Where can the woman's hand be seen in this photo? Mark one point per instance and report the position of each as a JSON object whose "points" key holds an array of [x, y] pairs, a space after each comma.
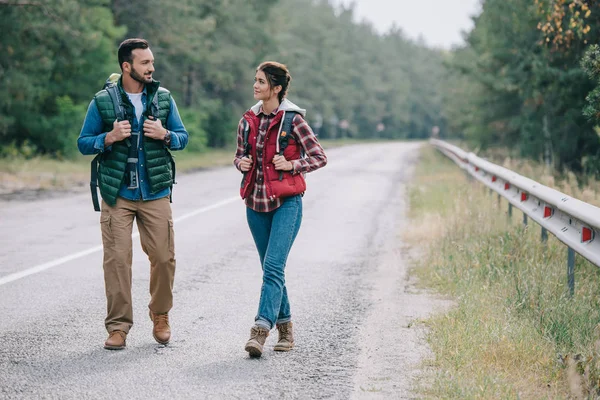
{"points": [[246, 163], [281, 164]]}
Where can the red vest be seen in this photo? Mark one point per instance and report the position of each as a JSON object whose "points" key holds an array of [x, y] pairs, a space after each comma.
{"points": [[291, 184]]}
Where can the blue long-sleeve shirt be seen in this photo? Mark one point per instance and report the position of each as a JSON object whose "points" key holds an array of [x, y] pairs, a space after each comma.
{"points": [[91, 141]]}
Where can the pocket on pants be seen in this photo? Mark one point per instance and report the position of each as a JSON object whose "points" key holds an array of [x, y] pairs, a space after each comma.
{"points": [[171, 238], [106, 228]]}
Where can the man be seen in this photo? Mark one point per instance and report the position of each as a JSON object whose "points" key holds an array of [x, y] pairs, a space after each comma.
{"points": [[135, 176]]}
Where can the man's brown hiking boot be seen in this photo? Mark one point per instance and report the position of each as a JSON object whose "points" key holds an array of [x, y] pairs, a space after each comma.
{"points": [[115, 341], [161, 330], [258, 336], [286, 337]]}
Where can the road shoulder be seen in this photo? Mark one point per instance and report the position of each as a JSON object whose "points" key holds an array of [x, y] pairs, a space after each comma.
{"points": [[392, 340]]}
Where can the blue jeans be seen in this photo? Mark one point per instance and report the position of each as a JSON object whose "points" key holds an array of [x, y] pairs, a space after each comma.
{"points": [[274, 233]]}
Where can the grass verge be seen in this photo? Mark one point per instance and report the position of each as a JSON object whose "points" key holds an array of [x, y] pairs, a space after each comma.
{"points": [[515, 332]]}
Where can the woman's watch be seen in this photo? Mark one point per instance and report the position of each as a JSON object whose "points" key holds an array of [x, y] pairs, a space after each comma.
{"points": [[167, 138]]}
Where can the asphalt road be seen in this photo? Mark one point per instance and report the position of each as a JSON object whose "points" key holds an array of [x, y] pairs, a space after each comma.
{"points": [[352, 302]]}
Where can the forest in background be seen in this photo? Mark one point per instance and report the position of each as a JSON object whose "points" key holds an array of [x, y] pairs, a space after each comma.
{"points": [[528, 80], [54, 56], [527, 77]]}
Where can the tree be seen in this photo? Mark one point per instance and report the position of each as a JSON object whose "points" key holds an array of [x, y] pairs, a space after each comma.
{"points": [[53, 58], [49, 57], [527, 87]]}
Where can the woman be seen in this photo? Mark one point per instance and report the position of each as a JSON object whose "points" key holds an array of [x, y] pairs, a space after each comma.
{"points": [[270, 155]]}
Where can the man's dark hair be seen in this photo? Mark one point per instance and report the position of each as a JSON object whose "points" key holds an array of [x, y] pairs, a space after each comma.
{"points": [[126, 48]]}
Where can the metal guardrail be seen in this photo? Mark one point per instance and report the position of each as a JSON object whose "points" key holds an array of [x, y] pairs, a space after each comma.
{"points": [[572, 221]]}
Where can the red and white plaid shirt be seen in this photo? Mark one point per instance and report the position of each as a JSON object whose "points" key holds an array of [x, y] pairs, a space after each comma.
{"points": [[314, 159]]}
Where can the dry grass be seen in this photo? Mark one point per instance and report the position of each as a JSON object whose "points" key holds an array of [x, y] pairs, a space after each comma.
{"points": [[585, 189], [43, 173], [515, 332]]}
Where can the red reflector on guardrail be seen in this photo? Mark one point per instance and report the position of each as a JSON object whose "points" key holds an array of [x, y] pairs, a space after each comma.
{"points": [[548, 211], [494, 178], [587, 234], [476, 169], [524, 196], [506, 186]]}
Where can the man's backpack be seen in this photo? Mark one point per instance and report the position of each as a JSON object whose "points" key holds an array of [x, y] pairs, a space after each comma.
{"points": [[110, 85]]}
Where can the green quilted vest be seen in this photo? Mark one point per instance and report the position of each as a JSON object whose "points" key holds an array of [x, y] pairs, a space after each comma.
{"points": [[111, 168]]}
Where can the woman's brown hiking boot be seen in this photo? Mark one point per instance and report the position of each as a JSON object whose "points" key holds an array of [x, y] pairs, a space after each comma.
{"points": [[286, 337], [255, 344]]}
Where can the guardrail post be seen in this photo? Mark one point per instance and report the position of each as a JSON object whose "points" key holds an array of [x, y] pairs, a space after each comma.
{"points": [[544, 235], [509, 210], [571, 270], [524, 219]]}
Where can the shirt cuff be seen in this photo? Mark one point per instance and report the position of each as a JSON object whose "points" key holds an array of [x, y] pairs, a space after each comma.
{"points": [[296, 167], [99, 143], [236, 163], [174, 142]]}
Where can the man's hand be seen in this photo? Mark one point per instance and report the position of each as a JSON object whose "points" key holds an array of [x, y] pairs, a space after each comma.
{"points": [[281, 164], [246, 164], [121, 131], [153, 129]]}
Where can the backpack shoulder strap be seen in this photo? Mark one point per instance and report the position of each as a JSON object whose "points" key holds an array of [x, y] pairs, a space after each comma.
{"points": [[286, 130], [94, 182], [288, 120], [173, 182], [246, 134], [289, 129], [115, 96], [284, 135]]}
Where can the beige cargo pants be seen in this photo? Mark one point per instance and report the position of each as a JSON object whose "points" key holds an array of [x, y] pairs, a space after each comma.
{"points": [[155, 224]]}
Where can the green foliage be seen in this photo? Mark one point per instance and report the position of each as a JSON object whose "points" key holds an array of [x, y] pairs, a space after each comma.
{"points": [[591, 64], [57, 133], [346, 71], [520, 81], [55, 56], [13, 151], [194, 122], [50, 52], [525, 83]]}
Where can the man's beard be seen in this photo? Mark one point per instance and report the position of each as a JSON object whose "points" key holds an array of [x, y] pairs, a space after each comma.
{"points": [[137, 77]]}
